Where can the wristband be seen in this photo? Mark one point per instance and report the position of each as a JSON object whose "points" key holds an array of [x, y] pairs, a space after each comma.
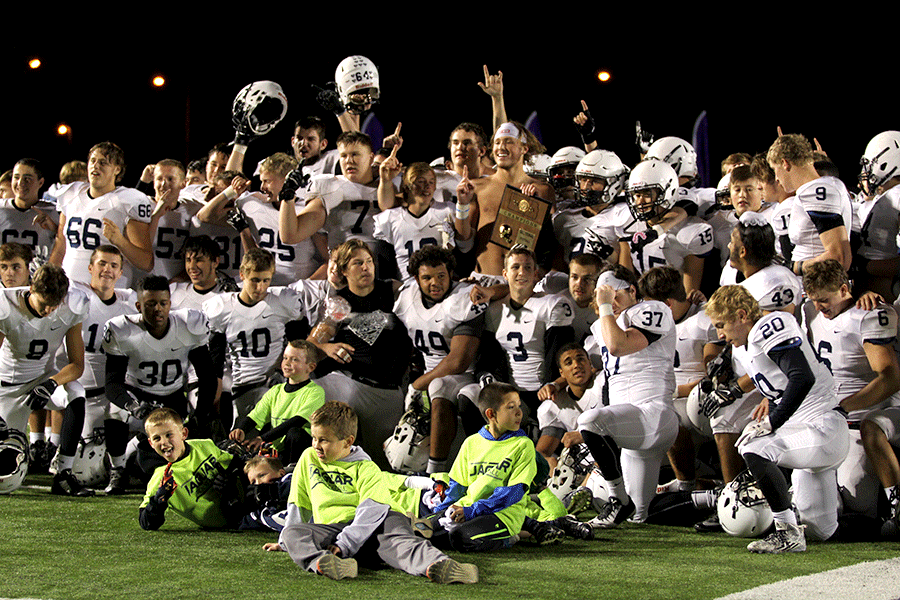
{"points": [[606, 310], [230, 194], [461, 214], [242, 148]]}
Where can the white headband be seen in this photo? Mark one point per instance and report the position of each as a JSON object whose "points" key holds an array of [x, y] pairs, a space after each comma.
{"points": [[608, 278], [508, 130]]}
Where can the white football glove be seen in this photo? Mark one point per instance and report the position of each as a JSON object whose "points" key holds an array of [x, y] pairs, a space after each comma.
{"points": [[413, 396]]}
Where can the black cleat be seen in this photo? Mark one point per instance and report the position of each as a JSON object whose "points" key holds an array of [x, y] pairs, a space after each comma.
{"points": [[65, 484]]}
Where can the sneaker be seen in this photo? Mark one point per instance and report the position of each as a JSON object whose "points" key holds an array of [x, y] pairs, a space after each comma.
{"points": [[710, 525], [334, 567], [574, 528], [37, 451], [786, 538], [578, 501], [450, 571], [547, 532], [612, 514], [52, 458], [118, 482], [65, 484], [421, 526]]}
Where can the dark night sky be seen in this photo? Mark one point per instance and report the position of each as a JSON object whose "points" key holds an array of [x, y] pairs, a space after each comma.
{"points": [[102, 90]]}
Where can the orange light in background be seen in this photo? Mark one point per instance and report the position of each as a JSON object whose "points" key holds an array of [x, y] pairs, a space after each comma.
{"points": [[34, 63], [603, 76], [159, 81], [63, 129]]}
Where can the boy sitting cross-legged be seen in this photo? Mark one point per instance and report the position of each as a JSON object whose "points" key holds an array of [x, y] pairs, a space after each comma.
{"points": [[340, 507]]}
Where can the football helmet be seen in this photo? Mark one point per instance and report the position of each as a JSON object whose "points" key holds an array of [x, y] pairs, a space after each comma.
{"points": [[90, 468], [357, 84], [258, 108], [695, 414], [13, 458], [676, 153], [880, 161], [655, 177], [567, 156], [604, 165], [574, 464], [723, 192], [742, 508], [407, 450], [536, 166]]}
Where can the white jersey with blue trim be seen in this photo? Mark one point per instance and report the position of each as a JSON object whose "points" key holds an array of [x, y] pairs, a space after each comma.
{"points": [[839, 343], [30, 342], [350, 208], [17, 225], [156, 366], [228, 239], [562, 412], [691, 237], [83, 225], [292, 261], [92, 328], [648, 374], [822, 196], [780, 330], [520, 333], [693, 334], [173, 229], [432, 328], [774, 287], [407, 233], [880, 224]]}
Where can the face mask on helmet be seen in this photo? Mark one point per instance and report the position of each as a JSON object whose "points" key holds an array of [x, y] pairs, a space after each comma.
{"points": [[259, 107], [742, 508], [13, 459], [880, 162], [651, 189], [357, 83], [562, 167]]}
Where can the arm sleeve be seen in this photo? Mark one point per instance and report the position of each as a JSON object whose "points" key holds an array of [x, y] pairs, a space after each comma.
{"points": [[502, 497], [281, 430], [793, 363], [153, 515], [116, 391], [825, 221], [217, 347], [200, 358]]}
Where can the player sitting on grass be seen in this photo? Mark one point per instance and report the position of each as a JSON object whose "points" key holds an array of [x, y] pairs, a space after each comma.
{"points": [[270, 486], [286, 407], [485, 507], [339, 508], [200, 482]]}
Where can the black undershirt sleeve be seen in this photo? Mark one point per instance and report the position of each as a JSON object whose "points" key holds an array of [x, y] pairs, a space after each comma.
{"points": [[201, 359], [281, 430], [793, 363], [116, 391], [217, 349]]}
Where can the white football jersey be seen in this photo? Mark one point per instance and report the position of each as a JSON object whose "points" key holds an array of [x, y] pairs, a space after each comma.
{"points": [[608, 223], [825, 195], [328, 163], [693, 333], [775, 330], [568, 227], [17, 225], [563, 412], [407, 233], [31, 342], [173, 229], [185, 296], [228, 239], [431, 329], [648, 374], [722, 222], [445, 185], [774, 287], [879, 220], [839, 345], [122, 303], [313, 293], [254, 334], [292, 261], [83, 225], [555, 282], [521, 334], [691, 237], [350, 208], [156, 366]]}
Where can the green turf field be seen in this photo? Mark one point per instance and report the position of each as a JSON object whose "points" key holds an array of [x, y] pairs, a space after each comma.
{"points": [[93, 548]]}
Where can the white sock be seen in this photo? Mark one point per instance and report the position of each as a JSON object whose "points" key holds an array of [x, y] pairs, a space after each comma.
{"points": [[66, 462], [687, 485], [785, 516], [118, 462], [54, 438], [617, 489], [704, 499], [35, 436], [436, 466]]}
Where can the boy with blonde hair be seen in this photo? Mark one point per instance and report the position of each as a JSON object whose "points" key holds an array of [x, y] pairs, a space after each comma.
{"points": [[340, 506]]}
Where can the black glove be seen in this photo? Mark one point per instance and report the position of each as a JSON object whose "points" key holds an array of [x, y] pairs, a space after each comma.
{"points": [[39, 396], [723, 395], [644, 138], [594, 244], [139, 410], [167, 486], [237, 219], [243, 135], [587, 131], [293, 182], [329, 99]]}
